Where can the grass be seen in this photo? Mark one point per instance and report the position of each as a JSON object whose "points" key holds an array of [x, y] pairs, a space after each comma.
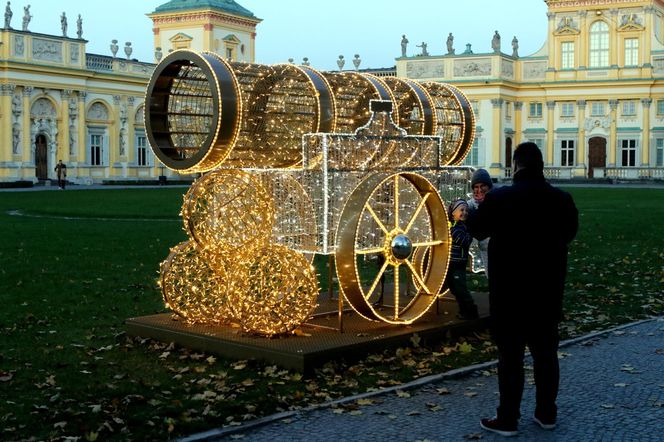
{"points": [[78, 263]]}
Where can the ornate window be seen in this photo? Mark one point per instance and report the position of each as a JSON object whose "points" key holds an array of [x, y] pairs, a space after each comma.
{"points": [[142, 155], [96, 149], [659, 152], [599, 45], [567, 52], [660, 107], [473, 157], [628, 150], [567, 153], [631, 51], [535, 110], [597, 109], [629, 108], [567, 109]]}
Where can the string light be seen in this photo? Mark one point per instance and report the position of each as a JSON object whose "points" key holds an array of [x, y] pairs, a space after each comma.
{"points": [[301, 162]]}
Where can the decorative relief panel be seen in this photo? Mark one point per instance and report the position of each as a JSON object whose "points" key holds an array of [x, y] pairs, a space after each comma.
{"points": [[47, 50], [140, 116], [98, 111], [42, 108], [658, 65], [534, 70], [73, 53], [19, 45], [507, 68], [425, 69], [472, 68]]}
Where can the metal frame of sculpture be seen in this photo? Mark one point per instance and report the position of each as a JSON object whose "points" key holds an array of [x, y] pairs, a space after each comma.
{"points": [[298, 162]]}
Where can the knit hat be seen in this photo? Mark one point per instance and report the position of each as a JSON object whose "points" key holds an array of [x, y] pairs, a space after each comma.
{"points": [[481, 176], [455, 204]]}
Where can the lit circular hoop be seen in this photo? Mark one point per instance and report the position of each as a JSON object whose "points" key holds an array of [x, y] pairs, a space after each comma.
{"points": [[195, 286], [186, 98], [228, 212], [455, 121], [279, 293], [415, 107], [280, 103], [389, 216], [352, 92]]}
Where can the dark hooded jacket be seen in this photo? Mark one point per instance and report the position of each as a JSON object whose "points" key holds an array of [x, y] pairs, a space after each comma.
{"points": [[530, 224]]}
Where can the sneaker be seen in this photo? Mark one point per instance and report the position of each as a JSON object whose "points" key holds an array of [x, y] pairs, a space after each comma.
{"points": [[544, 423], [496, 426]]}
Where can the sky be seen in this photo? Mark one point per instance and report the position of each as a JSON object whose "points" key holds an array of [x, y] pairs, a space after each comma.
{"points": [[318, 29]]}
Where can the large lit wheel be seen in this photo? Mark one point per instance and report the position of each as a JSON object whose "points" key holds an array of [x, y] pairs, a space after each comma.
{"points": [[279, 291], [228, 212], [194, 286], [385, 220]]}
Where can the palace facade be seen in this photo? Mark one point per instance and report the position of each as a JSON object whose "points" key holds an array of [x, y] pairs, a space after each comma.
{"points": [[592, 98], [58, 102]]}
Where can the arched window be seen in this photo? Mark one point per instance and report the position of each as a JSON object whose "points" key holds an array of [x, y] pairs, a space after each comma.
{"points": [[599, 45]]}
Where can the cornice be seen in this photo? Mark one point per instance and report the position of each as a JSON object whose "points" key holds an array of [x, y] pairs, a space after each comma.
{"points": [[167, 18], [559, 4]]}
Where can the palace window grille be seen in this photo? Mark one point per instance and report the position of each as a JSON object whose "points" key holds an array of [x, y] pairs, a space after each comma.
{"points": [[96, 149], [535, 110], [599, 45], [629, 108], [628, 153], [659, 152], [631, 52], [567, 153], [597, 109], [567, 52], [142, 151]]}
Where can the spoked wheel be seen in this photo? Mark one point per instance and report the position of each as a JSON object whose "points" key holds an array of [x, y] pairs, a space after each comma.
{"points": [[387, 218]]}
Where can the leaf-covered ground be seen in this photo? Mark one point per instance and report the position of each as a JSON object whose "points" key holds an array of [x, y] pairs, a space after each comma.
{"points": [[76, 264]]}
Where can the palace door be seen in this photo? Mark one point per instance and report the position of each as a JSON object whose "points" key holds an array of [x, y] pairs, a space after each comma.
{"points": [[596, 154], [508, 152], [41, 158]]}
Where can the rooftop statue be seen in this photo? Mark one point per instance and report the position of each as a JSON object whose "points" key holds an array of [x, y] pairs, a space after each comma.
{"points": [[8, 15], [495, 42], [26, 17]]}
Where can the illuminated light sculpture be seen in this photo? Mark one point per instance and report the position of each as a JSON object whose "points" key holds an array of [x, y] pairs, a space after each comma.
{"points": [[301, 162], [196, 286], [280, 291], [228, 212]]}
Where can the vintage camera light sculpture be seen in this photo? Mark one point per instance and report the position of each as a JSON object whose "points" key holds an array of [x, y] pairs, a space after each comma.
{"points": [[299, 162]]}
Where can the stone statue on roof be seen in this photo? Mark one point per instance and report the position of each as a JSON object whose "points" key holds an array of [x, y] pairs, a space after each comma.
{"points": [[424, 53], [495, 42], [26, 17], [63, 24], [515, 47], [8, 15], [450, 44], [404, 45], [79, 27]]}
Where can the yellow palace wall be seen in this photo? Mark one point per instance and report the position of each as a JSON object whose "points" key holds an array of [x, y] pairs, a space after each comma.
{"points": [[619, 101]]}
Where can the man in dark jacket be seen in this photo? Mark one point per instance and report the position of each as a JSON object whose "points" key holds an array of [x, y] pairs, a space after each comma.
{"points": [[530, 224]]}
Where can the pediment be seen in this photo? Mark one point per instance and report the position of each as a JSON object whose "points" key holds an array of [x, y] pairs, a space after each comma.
{"points": [[567, 30], [631, 27], [231, 38], [181, 37]]}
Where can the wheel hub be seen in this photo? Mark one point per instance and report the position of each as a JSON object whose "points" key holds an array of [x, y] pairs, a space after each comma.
{"points": [[401, 247]]}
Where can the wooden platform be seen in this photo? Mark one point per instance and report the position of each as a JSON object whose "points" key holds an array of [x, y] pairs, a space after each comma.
{"points": [[323, 341]]}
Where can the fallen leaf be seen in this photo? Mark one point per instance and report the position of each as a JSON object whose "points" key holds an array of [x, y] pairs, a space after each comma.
{"points": [[401, 393], [620, 384], [355, 413], [608, 406], [365, 402], [470, 393], [415, 339], [443, 390], [413, 413], [473, 436]]}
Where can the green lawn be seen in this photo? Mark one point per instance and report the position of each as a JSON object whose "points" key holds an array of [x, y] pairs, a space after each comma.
{"points": [[76, 264]]}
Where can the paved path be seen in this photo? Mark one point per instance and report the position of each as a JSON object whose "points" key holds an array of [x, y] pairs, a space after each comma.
{"points": [[612, 389]]}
